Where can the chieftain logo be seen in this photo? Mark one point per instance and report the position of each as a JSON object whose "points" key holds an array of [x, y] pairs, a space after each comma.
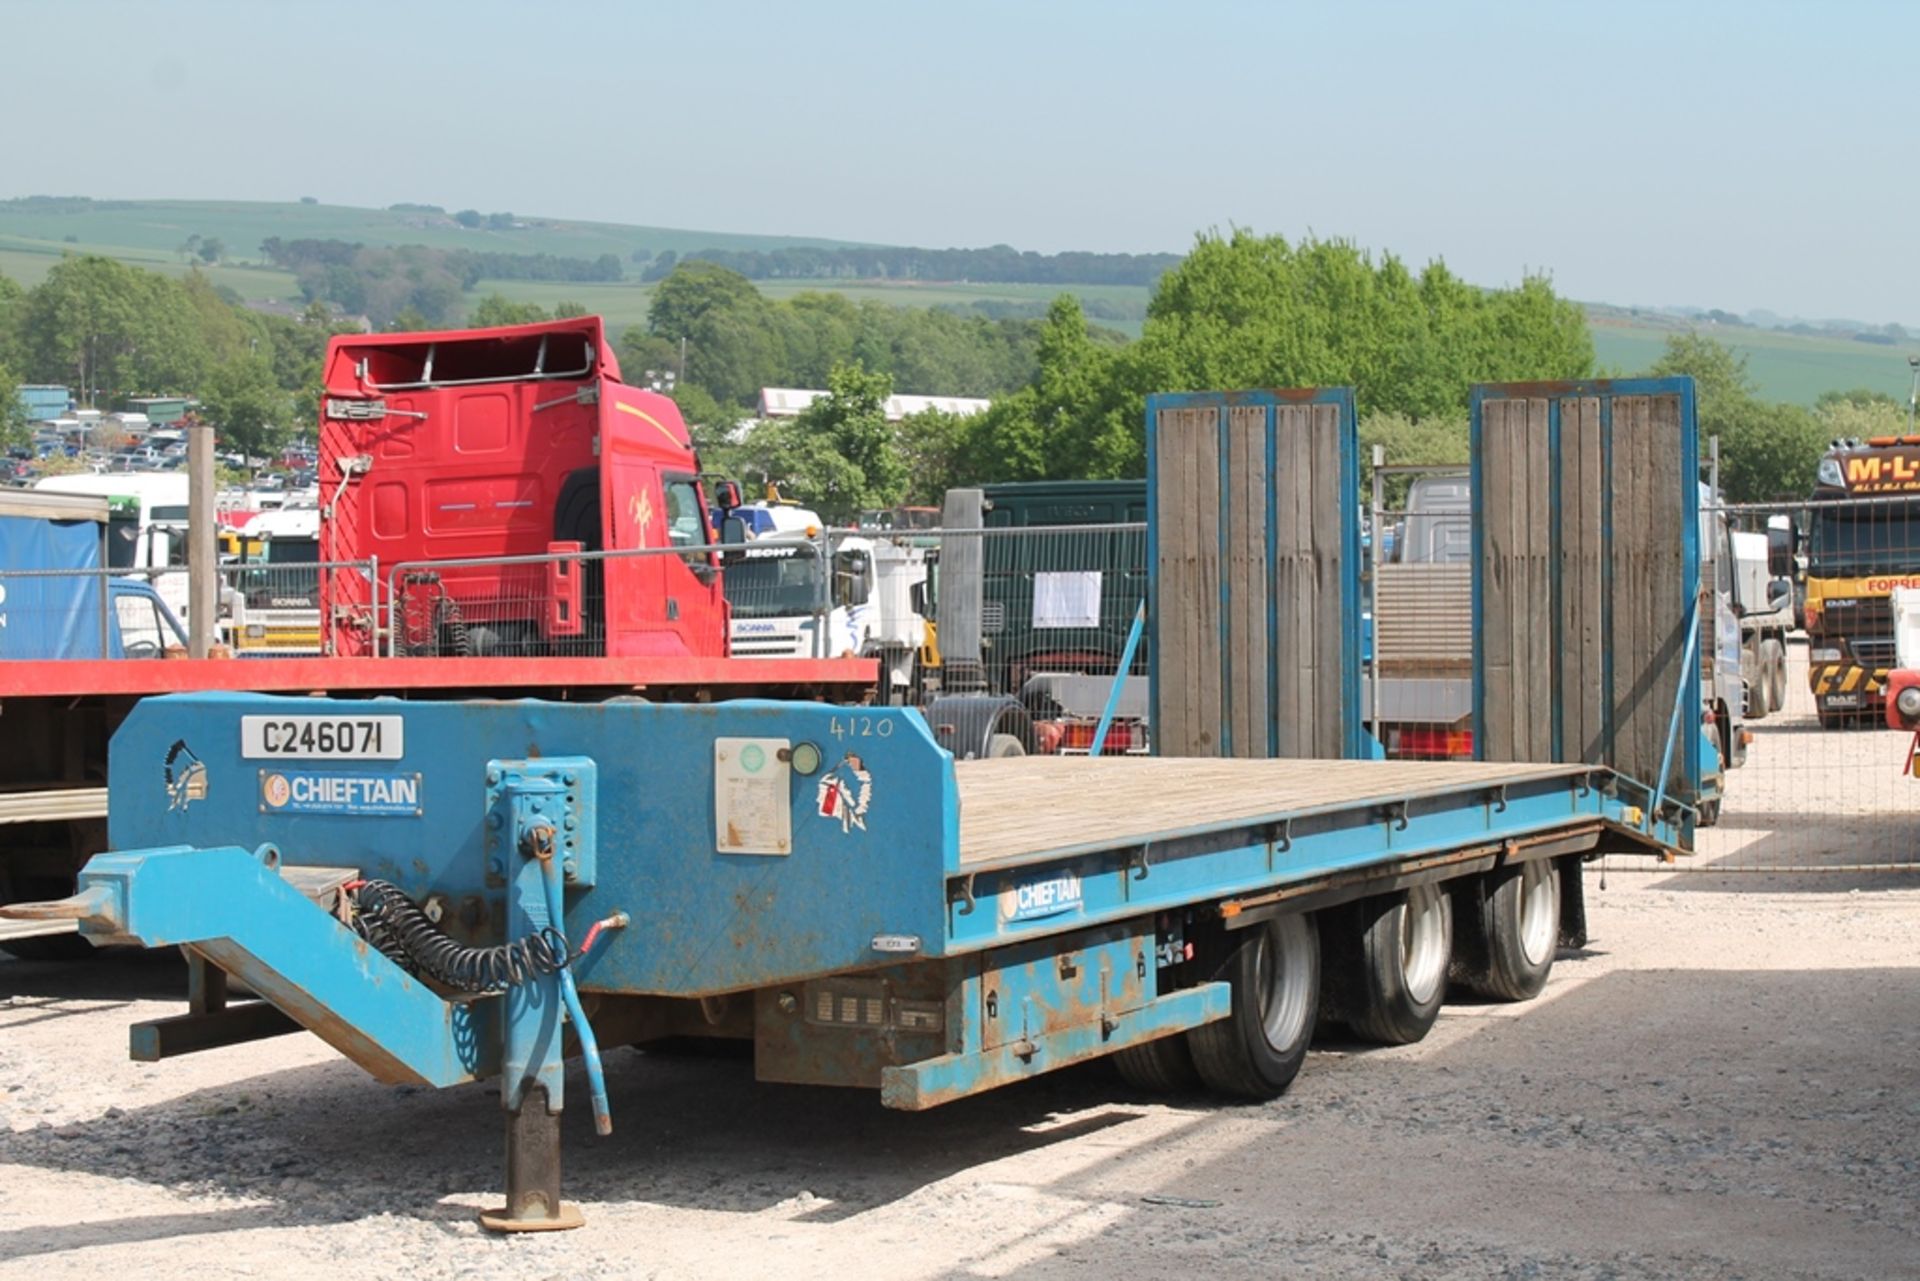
{"points": [[185, 775]]}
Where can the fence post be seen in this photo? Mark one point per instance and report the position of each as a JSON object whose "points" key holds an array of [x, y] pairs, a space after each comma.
{"points": [[1372, 627], [373, 607], [822, 593], [202, 591]]}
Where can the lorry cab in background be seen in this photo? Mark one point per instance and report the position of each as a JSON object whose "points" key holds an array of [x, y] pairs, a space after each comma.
{"points": [[441, 453]]}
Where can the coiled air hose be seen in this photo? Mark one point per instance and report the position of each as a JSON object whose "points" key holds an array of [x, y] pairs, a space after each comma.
{"points": [[404, 934]]}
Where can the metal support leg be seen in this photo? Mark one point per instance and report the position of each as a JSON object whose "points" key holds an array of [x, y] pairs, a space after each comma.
{"points": [[524, 809], [206, 985], [533, 1171]]}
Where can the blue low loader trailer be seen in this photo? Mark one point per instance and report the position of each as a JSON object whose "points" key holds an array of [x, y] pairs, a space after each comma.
{"points": [[454, 891]]}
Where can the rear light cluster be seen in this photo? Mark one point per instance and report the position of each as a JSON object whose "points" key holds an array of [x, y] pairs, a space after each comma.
{"points": [[1077, 736], [1424, 743], [1903, 699]]}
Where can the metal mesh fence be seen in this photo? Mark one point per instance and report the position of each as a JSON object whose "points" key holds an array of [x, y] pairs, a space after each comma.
{"points": [[1042, 613], [1817, 629], [1418, 661], [1057, 606], [261, 610], [1811, 629]]}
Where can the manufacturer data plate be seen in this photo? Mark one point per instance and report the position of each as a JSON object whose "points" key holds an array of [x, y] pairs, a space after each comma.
{"points": [[752, 796], [322, 738]]}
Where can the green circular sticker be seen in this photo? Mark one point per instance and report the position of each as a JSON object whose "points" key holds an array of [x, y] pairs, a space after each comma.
{"points": [[752, 757]]}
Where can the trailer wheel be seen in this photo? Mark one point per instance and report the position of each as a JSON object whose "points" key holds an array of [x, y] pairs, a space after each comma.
{"points": [[1256, 1051], [1005, 745], [1164, 1066], [1393, 970], [1508, 929]]}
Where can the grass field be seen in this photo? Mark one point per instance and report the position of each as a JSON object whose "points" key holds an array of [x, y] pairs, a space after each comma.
{"points": [[158, 227], [1784, 366]]}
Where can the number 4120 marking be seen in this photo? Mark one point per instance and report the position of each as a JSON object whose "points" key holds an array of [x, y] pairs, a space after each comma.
{"points": [[862, 727]]}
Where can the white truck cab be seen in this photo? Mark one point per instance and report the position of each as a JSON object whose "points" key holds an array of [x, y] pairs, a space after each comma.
{"points": [[786, 605]]}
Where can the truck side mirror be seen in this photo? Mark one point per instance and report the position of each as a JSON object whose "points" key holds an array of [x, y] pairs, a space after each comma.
{"points": [[733, 530], [1779, 593], [726, 495], [1780, 552]]}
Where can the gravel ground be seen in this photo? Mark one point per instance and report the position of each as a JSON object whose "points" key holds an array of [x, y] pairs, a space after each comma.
{"points": [[1723, 1084]]}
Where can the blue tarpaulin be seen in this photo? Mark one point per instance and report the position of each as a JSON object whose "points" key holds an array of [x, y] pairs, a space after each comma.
{"points": [[58, 616]]}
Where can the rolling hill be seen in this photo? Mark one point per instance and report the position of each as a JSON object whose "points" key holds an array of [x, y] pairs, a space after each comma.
{"points": [[35, 232]]}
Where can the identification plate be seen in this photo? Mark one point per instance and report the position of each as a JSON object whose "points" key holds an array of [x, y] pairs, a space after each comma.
{"points": [[322, 738], [752, 796]]}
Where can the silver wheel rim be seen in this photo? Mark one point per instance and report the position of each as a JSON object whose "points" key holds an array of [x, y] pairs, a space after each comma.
{"points": [[1537, 910], [1283, 966], [1423, 942]]}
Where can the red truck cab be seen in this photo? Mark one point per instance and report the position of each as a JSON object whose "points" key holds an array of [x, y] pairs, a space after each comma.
{"points": [[440, 450]]}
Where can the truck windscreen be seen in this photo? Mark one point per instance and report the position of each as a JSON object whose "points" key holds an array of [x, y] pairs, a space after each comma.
{"points": [[772, 586], [1855, 539], [293, 551]]}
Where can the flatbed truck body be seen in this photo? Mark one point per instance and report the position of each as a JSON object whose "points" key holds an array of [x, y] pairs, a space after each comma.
{"points": [[826, 882], [447, 891]]}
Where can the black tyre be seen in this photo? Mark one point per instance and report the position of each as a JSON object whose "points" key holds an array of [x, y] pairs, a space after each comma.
{"points": [[1773, 663], [1164, 1066], [1256, 1051], [1759, 691], [1393, 965], [1709, 813], [1506, 930]]}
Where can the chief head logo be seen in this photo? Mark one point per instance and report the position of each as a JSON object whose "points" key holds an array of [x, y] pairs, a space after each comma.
{"points": [[844, 793], [186, 776]]}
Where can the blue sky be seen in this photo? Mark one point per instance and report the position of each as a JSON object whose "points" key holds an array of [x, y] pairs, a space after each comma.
{"points": [[1736, 155]]}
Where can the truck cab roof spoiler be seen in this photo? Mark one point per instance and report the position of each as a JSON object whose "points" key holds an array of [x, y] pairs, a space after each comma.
{"points": [[359, 364]]}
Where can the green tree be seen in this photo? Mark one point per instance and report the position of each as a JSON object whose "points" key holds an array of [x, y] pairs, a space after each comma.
{"points": [[731, 339], [111, 330], [496, 309], [1858, 396], [805, 467], [211, 249], [1767, 451], [839, 455], [14, 428], [247, 407], [12, 307], [1074, 421], [710, 423], [934, 448]]}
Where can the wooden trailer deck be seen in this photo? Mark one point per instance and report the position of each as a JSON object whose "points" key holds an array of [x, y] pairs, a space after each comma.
{"points": [[1023, 808]]}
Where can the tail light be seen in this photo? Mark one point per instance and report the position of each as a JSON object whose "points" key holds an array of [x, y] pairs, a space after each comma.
{"points": [[1434, 743], [1903, 699]]}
